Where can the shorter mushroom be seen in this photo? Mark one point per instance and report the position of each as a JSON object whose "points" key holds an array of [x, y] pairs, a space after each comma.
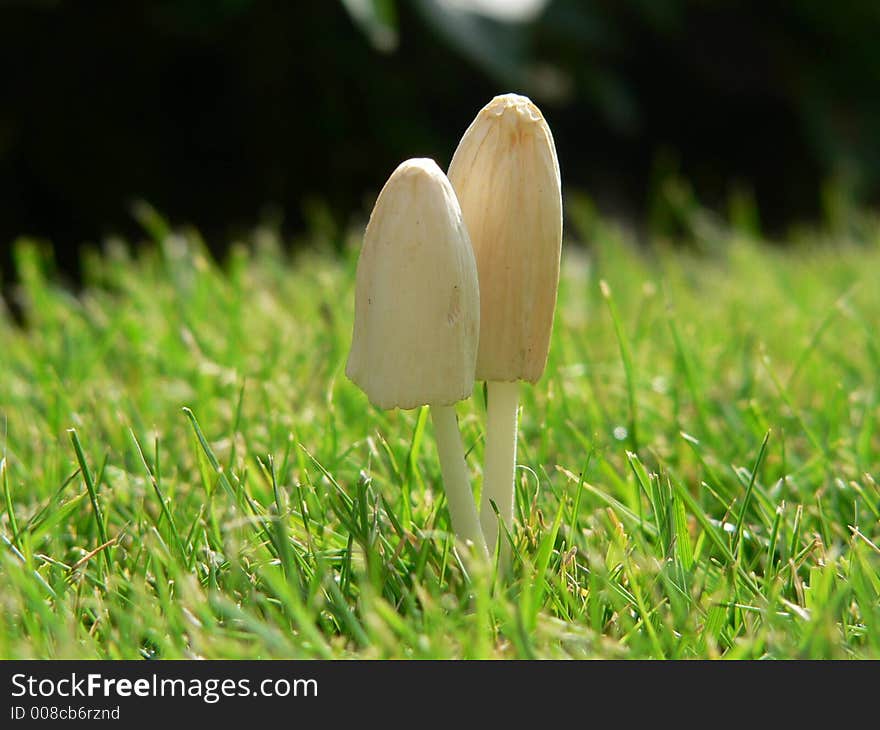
{"points": [[417, 315]]}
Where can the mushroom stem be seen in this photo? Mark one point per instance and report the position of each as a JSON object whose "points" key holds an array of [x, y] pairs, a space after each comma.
{"points": [[499, 463], [459, 497]]}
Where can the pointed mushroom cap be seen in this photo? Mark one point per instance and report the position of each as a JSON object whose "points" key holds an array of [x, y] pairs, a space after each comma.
{"points": [[506, 175], [417, 305]]}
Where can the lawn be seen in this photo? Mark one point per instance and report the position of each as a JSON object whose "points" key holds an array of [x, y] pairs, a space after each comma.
{"points": [[187, 472]]}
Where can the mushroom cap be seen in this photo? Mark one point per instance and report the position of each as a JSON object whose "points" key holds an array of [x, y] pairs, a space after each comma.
{"points": [[506, 175], [417, 302]]}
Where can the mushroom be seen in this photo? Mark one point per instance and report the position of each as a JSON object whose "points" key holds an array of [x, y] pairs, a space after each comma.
{"points": [[506, 175], [417, 318]]}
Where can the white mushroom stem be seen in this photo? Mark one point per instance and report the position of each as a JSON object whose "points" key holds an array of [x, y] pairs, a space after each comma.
{"points": [[499, 463], [459, 498]]}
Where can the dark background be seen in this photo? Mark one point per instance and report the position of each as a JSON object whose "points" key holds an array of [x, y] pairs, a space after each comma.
{"points": [[224, 114]]}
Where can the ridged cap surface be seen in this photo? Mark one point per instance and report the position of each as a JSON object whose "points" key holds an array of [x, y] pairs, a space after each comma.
{"points": [[506, 175]]}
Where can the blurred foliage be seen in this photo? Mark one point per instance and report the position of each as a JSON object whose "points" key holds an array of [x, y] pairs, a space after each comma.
{"points": [[818, 62], [820, 59], [227, 112]]}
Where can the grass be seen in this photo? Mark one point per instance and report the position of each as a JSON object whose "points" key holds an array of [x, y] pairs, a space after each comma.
{"points": [[186, 471]]}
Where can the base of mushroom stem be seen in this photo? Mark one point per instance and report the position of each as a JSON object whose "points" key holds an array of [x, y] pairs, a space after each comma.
{"points": [[456, 483], [499, 464]]}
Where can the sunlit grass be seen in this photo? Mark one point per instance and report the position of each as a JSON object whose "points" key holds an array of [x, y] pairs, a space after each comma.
{"points": [[186, 471]]}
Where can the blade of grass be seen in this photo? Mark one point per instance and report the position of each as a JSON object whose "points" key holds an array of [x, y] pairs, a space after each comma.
{"points": [[91, 487]]}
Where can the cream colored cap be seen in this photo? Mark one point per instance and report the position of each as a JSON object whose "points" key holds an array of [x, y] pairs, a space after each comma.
{"points": [[417, 304], [506, 175]]}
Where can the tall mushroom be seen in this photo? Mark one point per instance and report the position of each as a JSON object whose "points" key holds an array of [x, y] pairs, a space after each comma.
{"points": [[506, 175], [417, 318]]}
